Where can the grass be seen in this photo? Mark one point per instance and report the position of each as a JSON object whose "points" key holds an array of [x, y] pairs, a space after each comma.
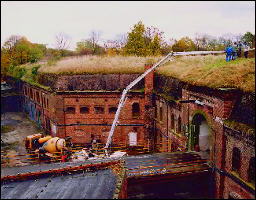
{"points": [[212, 71], [98, 65], [27, 73], [240, 126]]}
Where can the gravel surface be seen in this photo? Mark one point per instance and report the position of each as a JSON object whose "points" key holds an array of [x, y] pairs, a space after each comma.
{"points": [[12, 143]]}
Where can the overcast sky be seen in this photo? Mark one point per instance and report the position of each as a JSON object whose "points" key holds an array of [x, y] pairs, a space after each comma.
{"points": [[41, 21]]}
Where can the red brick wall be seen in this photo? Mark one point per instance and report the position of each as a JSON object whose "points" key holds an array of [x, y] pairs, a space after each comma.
{"points": [[53, 105], [82, 134], [149, 109], [215, 109], [247, 152], [175, 140], [41, 98], [54, 111], [232, 187]]}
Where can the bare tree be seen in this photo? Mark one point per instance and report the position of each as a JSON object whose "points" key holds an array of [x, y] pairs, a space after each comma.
{"points": [[197, 41], [151, 32], [62, 41], [118, 42], [230, 37], [94, 39], [11, 41], [121, 40], [204, 41]]}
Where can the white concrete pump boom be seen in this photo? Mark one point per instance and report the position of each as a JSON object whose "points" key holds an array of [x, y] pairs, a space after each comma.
{"points": [[133, 83]]}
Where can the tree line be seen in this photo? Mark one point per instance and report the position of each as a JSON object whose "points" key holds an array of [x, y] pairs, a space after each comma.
{"points": [[140, 41]]}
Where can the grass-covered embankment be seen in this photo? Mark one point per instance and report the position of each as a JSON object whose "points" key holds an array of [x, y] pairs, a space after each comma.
{"points": [[27, 73], [210, 70], [99, 65]]}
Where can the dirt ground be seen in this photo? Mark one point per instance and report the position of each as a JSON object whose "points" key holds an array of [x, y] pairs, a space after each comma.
{"points": [[12, 142]]}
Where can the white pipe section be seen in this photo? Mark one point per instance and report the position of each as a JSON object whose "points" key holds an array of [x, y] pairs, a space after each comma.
{"points": [[122, 99]]}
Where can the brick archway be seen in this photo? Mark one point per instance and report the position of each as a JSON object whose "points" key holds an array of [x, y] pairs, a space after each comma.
{"points": [[200, 136]]}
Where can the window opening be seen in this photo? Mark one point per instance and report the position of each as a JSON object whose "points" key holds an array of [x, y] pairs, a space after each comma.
{"points": [[112, 110], [135, 110], [251, 170], [172, 121], [236, 157], [99, 110], [70, 110], [84, 110]]}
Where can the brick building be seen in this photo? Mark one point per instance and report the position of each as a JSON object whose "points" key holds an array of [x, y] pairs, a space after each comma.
{"points": [[87, 113], [161, 113], [209, 121]]}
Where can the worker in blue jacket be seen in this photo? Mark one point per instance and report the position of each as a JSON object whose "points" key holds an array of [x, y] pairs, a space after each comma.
{"points": [[229, 52], [235, 50]]}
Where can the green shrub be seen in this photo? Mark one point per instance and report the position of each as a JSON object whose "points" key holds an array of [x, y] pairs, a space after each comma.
{"points": [[35, 69], [11, 68], [19, 72]]}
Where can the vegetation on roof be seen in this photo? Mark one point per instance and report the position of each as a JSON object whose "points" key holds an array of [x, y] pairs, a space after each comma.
{"points": [[210, 70], [239, 126], [27, 73], [98, 65]]}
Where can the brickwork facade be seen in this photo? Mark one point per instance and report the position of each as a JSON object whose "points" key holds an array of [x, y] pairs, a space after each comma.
{"points": [[174, 133], [159, 122], [37, 104], [241, 166], [88, 115]]}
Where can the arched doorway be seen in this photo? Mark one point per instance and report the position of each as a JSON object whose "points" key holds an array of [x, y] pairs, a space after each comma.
{"points": [[200, 135]]}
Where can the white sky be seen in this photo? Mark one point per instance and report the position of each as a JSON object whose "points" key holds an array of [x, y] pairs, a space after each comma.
{"points": [[40, 21]]}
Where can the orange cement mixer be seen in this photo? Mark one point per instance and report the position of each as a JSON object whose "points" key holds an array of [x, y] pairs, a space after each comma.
{"points": [[54, 144]]}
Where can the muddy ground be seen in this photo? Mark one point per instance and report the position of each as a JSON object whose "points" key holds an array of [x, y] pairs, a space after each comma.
{"points": [[12, 142]]}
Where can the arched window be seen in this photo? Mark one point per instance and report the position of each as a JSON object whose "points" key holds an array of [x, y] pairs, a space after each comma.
{"points": [[44, 102], [172, 121], [251, 170], [179, 125], [161, 113], [70, 110], [37, 97], [236, 159], [98, 110], [112, 110], [155, 112], [84, 110], [47, 103], [25, 90], [135, 109], [31, 93]]}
